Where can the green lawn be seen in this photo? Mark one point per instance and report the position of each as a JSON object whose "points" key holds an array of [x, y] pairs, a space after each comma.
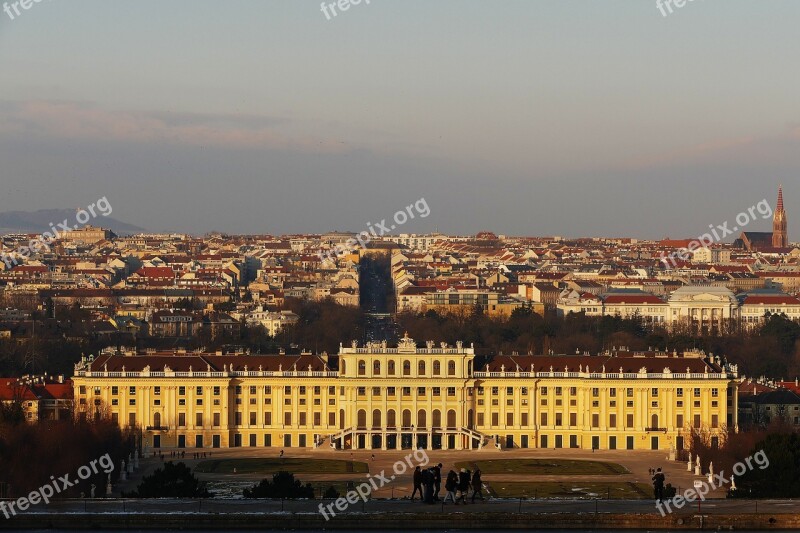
{"points": [[273, 465], [577, 489], [553, 467]]}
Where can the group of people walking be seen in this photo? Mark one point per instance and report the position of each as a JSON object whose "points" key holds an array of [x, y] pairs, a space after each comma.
{"points": [[457, 484]]}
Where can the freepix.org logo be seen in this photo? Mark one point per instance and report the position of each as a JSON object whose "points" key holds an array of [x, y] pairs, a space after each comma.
{"points": [[12, 9]]}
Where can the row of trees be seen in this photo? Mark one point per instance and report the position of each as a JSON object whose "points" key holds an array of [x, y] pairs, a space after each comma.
{"points": [[31, 453]]}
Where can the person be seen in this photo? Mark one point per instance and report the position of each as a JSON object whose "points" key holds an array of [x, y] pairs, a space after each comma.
{"points": [[373, 456], [281, 455], [450, 485], [463, 484], [417, 483], [477, 485], [658, 485], [427, 483], [437, 481]]}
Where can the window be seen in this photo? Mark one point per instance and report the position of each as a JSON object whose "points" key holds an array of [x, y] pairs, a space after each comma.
{"points": [[287, 419], [376, 368], [451, 368], [451, 391], [714, 393], [362, 391], [612, 420], [287, 390], [696, 392], [437, 391], [156, 391], [362, 368], [612, 393], [495, 391], [559, 419], [131, 391], [198, 420], [267, 419], [181, 419], [391, 391], [252, 389], [406, 368], [421, 391], [181, 391], [317, 390], [421, 368], [216, 391], [437, 368], [629, 421], [302, 391], [390, 368], [654, 392], [679, 421], [524, 391], [595, 420], [132, 401], [238, 389], [114, 391], [199, 391], [595, 392], [679, 392], [558, 391], [215, 420], [376, 391], [237, 418], [543, 391], [629, 392], [253, 418], [573, 391]]}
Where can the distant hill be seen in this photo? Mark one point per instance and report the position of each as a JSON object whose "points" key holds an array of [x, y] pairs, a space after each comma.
{"points": [[39, 221]]}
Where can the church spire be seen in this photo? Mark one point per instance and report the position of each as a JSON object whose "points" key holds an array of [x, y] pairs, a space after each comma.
{"points": [[780, 237]]}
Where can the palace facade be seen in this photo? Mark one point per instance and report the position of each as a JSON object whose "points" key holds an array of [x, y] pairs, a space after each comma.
{"points": [[434, 397]]}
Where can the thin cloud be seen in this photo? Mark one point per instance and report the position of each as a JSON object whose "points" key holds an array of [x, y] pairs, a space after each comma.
{"points": [[71, 120]]}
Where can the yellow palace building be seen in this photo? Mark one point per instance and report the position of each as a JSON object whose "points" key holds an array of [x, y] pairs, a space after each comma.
{"points": [[434, 397]]}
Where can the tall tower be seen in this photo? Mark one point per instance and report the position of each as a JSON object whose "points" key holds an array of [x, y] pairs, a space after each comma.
{"points": [[779, 237]]}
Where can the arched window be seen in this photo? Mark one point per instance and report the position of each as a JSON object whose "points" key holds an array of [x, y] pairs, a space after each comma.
{"points": [[362, 419], [376, 368], [421, 368], [406, 368], [437, 419], [654, 421], [157, 420], [390, 368], [407, 418], [362, 368], [451, 368], [376, 419], [341, 367], [451, 419], [437, 368], [391, 419], [421, 419]]}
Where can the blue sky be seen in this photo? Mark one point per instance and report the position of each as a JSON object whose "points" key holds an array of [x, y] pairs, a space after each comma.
{"points": [[565, 117]]}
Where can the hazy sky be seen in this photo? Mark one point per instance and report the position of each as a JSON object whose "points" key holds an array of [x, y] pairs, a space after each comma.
{"points": [[568, 117]]}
